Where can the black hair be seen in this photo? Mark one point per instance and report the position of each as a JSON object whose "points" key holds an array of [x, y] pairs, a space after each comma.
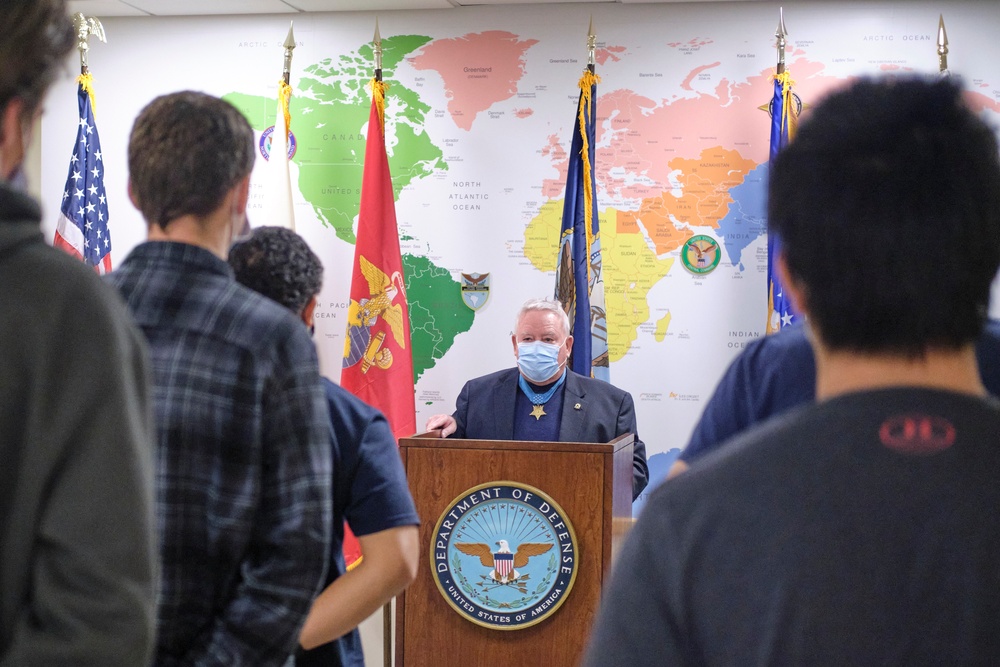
{"points": [[279, 264], [887, 203]]}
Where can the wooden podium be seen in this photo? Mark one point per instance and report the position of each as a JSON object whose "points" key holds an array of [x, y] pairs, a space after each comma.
{"points": [[591, 483]]}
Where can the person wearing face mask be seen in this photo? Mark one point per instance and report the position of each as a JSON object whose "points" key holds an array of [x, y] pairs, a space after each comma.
{"points": [[541, 399], [77, 535], [244, 460]]}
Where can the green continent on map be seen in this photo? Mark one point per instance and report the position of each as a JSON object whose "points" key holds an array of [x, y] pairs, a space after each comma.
{"points": [[630, 268], [330, 106], [437, 312]]}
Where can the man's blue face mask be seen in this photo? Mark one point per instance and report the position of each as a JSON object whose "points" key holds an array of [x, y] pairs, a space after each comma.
{"points": [[538, 361]]}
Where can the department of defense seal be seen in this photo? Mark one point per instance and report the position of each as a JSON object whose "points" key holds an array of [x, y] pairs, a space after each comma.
{"points": [[504, 555]]}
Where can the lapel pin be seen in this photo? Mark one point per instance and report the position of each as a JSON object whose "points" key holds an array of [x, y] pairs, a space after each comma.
{"points": [[576, 407]]}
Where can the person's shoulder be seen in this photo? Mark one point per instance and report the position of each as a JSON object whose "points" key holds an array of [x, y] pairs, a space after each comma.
{"points": [[262, 323], [991, 331], [988, 343], [491, 379], [780, 439], [61, 285], [789, 344], [594, 386], [345, 405]]}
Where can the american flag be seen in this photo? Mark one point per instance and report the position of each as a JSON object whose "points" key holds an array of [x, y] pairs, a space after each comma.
{"points": [[82, 230]]}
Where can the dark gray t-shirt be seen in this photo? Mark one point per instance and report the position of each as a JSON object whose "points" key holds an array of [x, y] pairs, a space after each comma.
{"points": [[861, 530]]}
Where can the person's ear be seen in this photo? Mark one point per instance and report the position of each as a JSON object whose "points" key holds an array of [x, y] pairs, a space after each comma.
{"points": [[12, 138], [242, 196], [309, 312], [131, 194]]}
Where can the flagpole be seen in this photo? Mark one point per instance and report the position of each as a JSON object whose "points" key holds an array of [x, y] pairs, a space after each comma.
{"points": [[82, 228], [377, 47], [780, 33], [289, 45], [783, 110], [591, 45], [387, 607], [579, 285], [278, 208]]}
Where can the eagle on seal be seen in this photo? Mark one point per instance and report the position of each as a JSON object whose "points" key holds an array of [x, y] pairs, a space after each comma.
{"points": [[503, 563]]}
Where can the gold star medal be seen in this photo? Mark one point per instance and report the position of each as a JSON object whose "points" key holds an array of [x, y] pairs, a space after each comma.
{"points": [[538, 400]]}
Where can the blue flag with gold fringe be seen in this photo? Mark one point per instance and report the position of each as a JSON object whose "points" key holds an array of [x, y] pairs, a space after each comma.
{"points": [[784, 113], [579, 283]]}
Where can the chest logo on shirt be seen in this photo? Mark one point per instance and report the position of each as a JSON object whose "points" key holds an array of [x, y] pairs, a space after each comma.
{"points": [[917, 434], [504, 555]]}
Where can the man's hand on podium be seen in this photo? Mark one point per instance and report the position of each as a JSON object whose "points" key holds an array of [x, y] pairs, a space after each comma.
{"points": [[444, 422]]}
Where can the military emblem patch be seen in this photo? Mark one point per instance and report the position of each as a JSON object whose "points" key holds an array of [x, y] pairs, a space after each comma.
{"points": [[504, 555], [475, 289], [361, 345]]}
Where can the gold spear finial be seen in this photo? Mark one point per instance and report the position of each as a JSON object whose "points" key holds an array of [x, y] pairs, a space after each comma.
{"points": [[942, 46], [85, 27], [286, 68], [780, 35], [591, 43]]}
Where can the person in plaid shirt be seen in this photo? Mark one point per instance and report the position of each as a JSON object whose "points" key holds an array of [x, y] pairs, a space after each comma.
{"points": [[243, 454]]}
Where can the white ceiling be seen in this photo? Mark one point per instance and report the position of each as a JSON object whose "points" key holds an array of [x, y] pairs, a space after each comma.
{"points": [[105, 8]]}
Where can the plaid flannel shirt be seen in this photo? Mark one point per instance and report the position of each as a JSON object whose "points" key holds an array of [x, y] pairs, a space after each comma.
{"points": [[243, 459]]}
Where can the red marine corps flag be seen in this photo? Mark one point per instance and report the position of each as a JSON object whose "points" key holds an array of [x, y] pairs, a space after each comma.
{"points": [[378, 364]]}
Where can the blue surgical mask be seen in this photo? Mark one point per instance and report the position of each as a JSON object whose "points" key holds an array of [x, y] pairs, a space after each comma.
{"points": [[538, 361]]}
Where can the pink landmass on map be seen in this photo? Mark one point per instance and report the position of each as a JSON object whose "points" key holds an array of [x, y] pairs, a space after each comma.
{"points": [[553, 188], [686, 83], [979, 102], [647, 136], [478, 70], [522, 113], [609, 53], [691, 42]]}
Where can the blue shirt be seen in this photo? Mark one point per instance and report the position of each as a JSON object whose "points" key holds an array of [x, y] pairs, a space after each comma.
{"points": [[243, 459], [778, 372], [370, 492]]}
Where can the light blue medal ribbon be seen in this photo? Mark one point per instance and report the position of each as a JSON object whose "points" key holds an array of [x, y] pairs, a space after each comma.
{"points": [[537, 399]]}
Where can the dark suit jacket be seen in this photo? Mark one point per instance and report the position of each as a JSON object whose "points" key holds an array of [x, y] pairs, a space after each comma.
{"points": [[485, 411]]}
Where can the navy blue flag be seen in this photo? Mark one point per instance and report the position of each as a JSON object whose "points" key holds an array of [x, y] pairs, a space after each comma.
{"points": [[784, 112], [579, 283], [82, 230]]}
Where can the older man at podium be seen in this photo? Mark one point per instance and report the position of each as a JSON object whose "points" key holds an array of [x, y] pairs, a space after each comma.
{"points": [[541, 399]]}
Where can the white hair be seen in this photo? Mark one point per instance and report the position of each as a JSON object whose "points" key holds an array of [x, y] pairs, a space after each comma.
{"points": [[544, 305]]}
